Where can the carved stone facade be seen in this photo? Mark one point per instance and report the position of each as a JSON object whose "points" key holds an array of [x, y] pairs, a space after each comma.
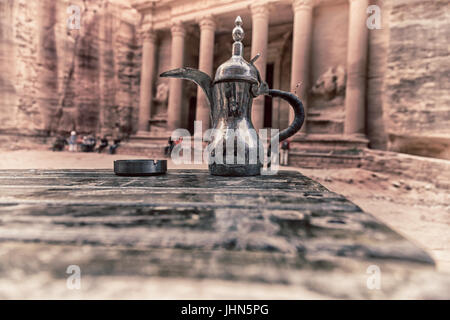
{"points": [[320, 49], [384, 88]]}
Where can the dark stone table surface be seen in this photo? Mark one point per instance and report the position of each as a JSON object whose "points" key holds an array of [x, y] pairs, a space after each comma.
{"points": [[187, 234]]}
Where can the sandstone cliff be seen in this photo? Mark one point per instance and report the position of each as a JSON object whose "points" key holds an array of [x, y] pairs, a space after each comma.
{"points": [[417, 79], [55, 79]]}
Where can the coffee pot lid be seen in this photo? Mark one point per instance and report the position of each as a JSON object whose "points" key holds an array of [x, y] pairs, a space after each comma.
{"points": [[236, 68]]}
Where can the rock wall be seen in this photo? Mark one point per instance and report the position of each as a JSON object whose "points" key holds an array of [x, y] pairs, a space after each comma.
{"points": [[376, 70], [417, 79], [55, 79]]}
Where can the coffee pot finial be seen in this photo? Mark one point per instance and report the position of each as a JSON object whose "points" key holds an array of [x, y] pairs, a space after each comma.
{"points": [[238, 36], [238, 32], [236, 68]]}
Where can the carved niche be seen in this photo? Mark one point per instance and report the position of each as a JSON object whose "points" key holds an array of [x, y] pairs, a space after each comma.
{"points": [[160, 100]]}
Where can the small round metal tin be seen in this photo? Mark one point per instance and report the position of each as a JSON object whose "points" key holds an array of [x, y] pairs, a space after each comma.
{"points": [[136, 168]]}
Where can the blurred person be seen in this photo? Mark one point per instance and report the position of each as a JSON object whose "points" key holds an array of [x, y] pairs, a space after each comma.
{"points": [[168, 149], [114, 146], [103, 144], [83, 144], [88, 144], [284, 152], [179, 140], [72, 141], [59, 143]]}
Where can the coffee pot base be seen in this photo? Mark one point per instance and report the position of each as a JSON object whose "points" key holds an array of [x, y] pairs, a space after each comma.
{"points": [[235, 170]]}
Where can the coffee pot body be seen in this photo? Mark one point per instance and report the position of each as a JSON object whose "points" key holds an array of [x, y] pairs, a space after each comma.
{"points": [[234, 145]]}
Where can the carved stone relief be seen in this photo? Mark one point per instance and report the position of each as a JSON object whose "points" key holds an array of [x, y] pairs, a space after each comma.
{"points": [[160, 101], [330, 84]]}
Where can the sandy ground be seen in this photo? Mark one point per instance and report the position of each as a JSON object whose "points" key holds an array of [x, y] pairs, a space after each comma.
{"points": [[415, 209]]}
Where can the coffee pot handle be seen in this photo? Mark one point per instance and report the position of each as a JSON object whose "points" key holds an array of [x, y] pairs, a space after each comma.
{"points": [[296, 104], [299, 112]]}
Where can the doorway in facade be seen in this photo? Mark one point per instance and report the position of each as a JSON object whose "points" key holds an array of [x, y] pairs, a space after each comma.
{"points": [[191, 114], [267, 99]]}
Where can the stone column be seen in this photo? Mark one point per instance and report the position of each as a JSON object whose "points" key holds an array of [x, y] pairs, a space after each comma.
{"points": [[276, 85], [205, 64], [175, 85], [147, 75], [301, 46], [260, 32], [355, 92]]}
